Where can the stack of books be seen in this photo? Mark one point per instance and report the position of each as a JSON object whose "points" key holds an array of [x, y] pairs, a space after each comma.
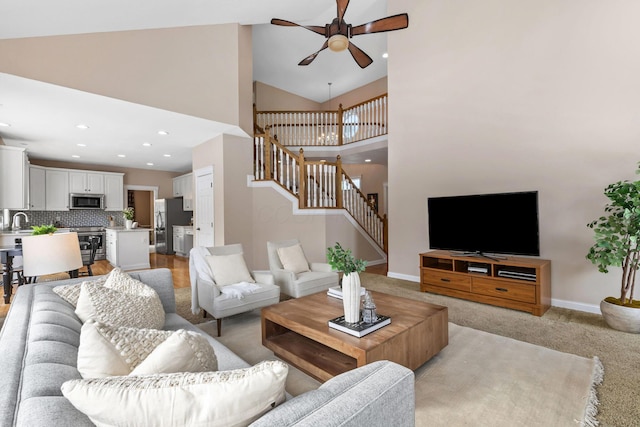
{"points": [[336, 292], [361, 328]]}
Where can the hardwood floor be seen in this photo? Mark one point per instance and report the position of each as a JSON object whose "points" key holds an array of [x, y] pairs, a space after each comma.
{"points": [[179, 267]]}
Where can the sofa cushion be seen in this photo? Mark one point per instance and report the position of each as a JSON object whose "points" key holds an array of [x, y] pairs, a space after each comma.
{"points": [[123, 303], [222, 398], [293, 259], [229, 269], [107, 350]]}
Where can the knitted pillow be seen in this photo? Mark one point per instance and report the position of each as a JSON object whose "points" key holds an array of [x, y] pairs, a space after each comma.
{"points": [[71, 293], [106, 350], [136, 306], [222, 398]]}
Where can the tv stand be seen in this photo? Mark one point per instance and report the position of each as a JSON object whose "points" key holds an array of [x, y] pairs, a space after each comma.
{"points": [[478, 254], [512, 282]]}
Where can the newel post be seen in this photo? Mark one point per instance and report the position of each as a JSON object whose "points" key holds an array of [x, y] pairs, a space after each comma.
{"points": [[267, 153], [385, 234], [339, 203], [302, 191], [340, 124]]}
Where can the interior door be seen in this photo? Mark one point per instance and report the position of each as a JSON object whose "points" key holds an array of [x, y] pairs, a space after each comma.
{"points": [[204, 233]]}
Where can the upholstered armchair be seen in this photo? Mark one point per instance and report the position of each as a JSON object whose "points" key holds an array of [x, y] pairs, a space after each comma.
{"points": [[294, 274], [222, 286]]}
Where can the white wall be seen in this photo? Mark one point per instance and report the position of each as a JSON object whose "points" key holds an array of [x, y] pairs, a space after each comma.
{"points": [[495, 95]]}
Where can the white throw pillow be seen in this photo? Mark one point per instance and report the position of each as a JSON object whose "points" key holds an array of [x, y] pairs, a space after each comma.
{"points": [[183, 351], [222, 398], [71, 293], [119, 308], [293, 259], [229, 269], [107, 350]]}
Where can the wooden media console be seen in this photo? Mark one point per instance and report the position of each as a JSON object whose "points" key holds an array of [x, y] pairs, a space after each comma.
{"points": [[513, 282]]}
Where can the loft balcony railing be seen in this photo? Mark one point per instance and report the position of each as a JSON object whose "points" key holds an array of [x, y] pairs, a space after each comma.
{"points": [[368, 119], [316, 184]]}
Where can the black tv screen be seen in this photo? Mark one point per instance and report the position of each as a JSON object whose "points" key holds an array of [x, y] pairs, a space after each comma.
{"points": [[505, 223]]}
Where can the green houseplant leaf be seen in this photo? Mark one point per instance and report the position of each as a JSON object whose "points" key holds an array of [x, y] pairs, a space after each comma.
{"points": [[43, 229], [341, 259], [616, 236]]}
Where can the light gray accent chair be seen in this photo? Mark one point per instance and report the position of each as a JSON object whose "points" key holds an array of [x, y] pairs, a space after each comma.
{"points": [[213, 302], [319, 278]]}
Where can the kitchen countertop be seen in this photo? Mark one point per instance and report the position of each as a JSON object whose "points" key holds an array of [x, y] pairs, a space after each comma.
{"points": [[124, 229], [27, 232]]}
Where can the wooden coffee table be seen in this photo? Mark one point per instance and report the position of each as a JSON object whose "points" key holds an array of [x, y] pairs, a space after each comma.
{"points": [[297, 332]]}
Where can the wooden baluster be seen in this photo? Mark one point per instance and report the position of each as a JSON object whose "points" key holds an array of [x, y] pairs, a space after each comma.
{"points": [[302, 190], [267, 154], [294, 174]]}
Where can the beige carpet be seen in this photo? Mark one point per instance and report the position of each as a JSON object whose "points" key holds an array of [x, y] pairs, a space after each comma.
{"points": [[479, 379]]}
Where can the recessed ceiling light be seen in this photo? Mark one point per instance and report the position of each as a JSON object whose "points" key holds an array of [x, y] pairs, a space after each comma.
{"points": [[81, 145], [146, 144], [75, 156], [367, 160], [121, 155], [149, 164], [82, 126], [163, 132], [167, 155], [385, 55], [5, 125]]}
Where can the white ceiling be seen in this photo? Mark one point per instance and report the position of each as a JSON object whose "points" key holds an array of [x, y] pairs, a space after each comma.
{"points": [[43, 117]]}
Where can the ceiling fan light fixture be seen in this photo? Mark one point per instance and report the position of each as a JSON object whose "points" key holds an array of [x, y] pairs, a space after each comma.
{"points": [[338, 42]]}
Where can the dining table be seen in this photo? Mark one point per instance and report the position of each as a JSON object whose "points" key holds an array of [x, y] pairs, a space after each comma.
{"points": [[7, 253]]}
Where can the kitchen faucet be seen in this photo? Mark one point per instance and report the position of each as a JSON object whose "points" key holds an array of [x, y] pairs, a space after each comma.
{"points": [[14, 224]]}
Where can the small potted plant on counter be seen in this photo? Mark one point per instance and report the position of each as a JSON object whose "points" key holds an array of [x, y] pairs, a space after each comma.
{"points": [[128, 217], [617, 235]]}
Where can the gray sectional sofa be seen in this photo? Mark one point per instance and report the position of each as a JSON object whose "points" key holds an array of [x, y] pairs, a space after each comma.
{"points": [[39, 345]]}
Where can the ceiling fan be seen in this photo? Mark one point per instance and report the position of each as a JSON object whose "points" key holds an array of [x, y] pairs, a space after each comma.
{"points": [[338, 33]]}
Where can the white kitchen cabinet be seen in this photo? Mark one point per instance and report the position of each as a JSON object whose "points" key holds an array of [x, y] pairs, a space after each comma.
{"points": [[37, 182], [114, 191], [14, 178], [182, 239], [128, 249], [56, 189], [183, 187], [86, 182]]}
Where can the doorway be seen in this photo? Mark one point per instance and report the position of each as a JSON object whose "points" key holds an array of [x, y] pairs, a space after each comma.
{"points": [[142, 199]]}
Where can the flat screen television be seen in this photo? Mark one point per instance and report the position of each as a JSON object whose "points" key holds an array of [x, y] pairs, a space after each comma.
{"points": [[504, 223]]}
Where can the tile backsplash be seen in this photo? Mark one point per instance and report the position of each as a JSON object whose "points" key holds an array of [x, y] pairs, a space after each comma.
{"points": [[74, 218]]}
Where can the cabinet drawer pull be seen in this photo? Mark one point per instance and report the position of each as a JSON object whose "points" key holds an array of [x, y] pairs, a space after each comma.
{"points": [[445, 280], [502, 290]]}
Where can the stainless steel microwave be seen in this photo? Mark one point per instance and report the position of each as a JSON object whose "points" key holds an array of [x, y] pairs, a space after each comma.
{"points": [[86, 201]]}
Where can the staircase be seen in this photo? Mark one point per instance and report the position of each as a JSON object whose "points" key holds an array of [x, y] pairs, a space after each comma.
{"points": [[320, 184]]}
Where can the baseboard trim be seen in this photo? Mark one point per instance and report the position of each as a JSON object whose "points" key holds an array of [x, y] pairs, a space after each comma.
{"points": [[403, 277], [578, 306], [377, 262]]}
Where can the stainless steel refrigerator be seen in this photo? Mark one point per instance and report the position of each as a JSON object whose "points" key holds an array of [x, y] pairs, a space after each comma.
{"points": [[168, 212]]}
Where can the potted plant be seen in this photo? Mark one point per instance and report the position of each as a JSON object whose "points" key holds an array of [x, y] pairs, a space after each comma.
{"points": [[128, 217], [617, 235], [343, 260], [43, 229]]}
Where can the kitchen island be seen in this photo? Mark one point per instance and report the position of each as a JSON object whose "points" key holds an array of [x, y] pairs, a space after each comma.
{"points": [[128, 248]]}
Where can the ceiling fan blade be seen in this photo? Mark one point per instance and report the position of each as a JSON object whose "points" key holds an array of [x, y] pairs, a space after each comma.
{"points": [[390, 23], [309, 59], [342, 8], [284, 23], [360, 57]]}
